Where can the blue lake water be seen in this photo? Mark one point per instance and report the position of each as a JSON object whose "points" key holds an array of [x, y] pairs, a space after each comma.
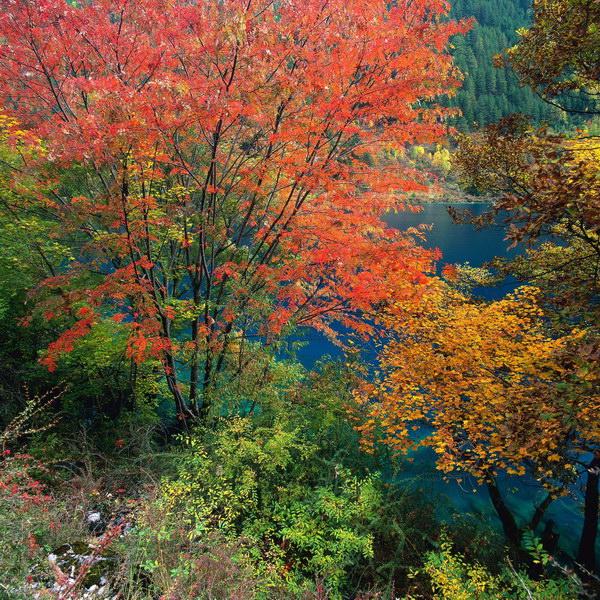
{"points": [[458, 243], [464, 499]]}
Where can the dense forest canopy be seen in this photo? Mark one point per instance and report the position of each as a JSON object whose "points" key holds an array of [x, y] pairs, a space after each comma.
{"points": [[489, 92]]}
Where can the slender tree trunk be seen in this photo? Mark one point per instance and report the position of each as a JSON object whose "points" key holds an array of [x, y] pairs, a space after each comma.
{"points": [[586, 556], [194, 371], [204, 408], [539, 512], [509, 525], [183, 411]]}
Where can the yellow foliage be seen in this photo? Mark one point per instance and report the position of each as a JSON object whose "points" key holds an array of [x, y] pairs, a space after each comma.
{"points": [[491, 385]]}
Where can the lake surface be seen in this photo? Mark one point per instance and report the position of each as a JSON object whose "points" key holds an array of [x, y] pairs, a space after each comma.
{"points": [[458, 243], [465, 499]]}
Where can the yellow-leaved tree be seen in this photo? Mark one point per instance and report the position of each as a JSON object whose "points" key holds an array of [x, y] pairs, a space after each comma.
{"points": [[491, 389]]}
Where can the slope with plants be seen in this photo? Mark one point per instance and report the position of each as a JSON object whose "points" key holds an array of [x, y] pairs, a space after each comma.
{"points": [[488, 92]]}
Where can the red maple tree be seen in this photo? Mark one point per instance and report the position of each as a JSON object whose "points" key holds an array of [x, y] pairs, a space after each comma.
{"points": [[222, 164]]}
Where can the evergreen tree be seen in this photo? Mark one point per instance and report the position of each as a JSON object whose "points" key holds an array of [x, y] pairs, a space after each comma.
{"points": [[490, 93]]}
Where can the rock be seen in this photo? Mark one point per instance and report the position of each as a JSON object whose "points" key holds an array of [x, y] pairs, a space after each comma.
{"points": [[96, 524]]}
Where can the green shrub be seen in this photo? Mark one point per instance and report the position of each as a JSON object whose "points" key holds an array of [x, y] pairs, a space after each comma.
{"points": [[264, 486], [452, 577], [286, 493]]}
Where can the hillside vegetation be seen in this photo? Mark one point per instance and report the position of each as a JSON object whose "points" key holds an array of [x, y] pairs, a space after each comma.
{"points": [[489, 93]]}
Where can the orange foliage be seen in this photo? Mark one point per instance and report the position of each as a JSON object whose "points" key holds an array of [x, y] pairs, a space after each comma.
{"points": [[495, 392], [231, 156]]}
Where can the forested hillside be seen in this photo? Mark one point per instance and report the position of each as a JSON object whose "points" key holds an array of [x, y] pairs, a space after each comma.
{"points": [[489, 93]]}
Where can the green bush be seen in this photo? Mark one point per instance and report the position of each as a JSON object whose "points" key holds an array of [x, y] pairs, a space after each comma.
{"points": [[452, 577], [286, 493], [264, 486]]}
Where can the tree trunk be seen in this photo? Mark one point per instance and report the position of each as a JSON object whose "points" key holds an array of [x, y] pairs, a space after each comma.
{"points": [[539, 512], [509, 525], [183, 411], [586, 556], [194, 371]]}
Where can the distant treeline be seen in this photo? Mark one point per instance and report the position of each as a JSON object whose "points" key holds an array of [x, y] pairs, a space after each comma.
{"points": [[489, 93]]}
